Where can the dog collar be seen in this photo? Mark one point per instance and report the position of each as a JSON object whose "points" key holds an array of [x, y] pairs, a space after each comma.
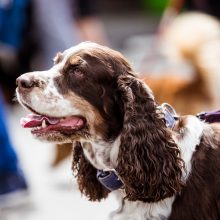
{"points": [[109, 178]]}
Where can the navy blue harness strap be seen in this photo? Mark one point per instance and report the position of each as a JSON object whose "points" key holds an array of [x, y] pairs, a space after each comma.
{"points": [[210, 117], [109, 179]]}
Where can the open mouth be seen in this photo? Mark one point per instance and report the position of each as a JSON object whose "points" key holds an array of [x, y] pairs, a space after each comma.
{"points": [[41, 124]]}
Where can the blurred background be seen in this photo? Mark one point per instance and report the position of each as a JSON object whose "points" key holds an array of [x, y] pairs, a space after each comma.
{"points": [[173, 45]]}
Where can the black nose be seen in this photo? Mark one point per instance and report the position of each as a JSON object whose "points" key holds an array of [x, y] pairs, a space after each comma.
{"points": [[24, 83]]}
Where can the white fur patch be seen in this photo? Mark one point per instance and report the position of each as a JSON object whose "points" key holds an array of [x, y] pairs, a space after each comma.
{"points": [[193, 131], [47, 99], [100, 152]]}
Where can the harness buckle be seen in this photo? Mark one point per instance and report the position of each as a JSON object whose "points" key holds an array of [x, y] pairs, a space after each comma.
{"points": [[170, 114]]}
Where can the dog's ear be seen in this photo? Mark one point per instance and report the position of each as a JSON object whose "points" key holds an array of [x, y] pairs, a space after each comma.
{"points": [[86, 176], [149, 161]]}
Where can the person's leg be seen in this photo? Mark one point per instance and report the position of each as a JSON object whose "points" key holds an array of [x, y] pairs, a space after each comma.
{"points": [[8, 158], [11, 176]]}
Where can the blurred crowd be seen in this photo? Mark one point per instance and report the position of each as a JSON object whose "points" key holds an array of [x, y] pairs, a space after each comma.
{"points": [[33, 31]]}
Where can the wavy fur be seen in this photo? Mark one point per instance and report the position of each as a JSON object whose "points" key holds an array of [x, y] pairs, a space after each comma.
{"points": [[147, 152]]}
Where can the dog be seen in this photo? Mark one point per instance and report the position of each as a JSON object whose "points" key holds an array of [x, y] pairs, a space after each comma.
{"points": [[92, 98]]}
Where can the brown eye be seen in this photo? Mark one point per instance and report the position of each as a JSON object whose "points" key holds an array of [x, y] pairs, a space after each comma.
{"points": [[77, 72]]}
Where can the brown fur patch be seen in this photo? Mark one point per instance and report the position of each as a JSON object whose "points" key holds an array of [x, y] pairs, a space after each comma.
{"points": [[179, 127], [75, 60], [94, 119]]}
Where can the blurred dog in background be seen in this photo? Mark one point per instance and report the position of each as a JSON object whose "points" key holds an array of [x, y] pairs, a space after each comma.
{"points": [[191, 38]]}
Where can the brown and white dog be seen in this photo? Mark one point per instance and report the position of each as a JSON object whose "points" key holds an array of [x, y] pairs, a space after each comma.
{"points": [[92, 98]]}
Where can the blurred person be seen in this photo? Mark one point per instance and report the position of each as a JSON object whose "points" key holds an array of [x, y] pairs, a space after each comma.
{"points": [[55, 29], [62, 24], [13, 185], [14, 21], [13, 18]]}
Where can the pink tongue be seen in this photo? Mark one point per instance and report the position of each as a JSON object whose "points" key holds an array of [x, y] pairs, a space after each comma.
{"points": [[32, 120], [72, 122]]}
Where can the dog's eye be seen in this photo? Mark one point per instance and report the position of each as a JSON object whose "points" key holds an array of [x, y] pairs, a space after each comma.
{"points": [[77, 72]]}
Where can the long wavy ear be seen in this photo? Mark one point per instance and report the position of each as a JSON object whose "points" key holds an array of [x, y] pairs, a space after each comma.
{"points": [[86, 176], [149, 160]]}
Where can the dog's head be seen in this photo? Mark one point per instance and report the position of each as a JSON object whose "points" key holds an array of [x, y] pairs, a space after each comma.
{"points": [[80, 91], [91, 93]]}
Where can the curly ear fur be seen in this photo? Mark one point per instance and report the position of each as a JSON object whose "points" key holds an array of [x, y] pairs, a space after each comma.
{"points": [[86, 176], [149, 161]]}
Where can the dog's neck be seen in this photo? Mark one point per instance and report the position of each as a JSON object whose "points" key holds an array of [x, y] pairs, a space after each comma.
{"points": [[102, 155]]}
